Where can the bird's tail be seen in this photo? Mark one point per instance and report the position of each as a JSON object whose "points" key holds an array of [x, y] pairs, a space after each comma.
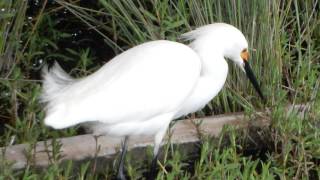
{"points": [[54, 81], [56, 96]]}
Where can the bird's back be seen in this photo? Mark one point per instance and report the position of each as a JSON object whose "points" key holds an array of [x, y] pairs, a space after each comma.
{"points": [[142, 82]]}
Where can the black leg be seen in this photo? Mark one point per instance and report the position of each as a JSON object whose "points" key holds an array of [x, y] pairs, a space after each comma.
{"points": [[120, 175], [153, 170], [157, 142]]}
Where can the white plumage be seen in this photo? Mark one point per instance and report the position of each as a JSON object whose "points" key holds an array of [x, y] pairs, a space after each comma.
{"points": [[141, 90]]}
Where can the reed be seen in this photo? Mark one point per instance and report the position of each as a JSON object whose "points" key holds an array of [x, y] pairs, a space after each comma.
{"points": [[285, 52]]}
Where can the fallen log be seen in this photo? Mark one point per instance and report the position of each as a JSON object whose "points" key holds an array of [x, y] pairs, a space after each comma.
{"points": [[79, 148]]}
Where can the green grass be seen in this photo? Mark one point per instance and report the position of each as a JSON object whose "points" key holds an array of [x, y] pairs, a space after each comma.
{"points": [[284, 38]]}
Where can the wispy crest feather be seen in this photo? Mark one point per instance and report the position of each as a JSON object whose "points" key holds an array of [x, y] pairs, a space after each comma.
{"points": [[54, 80], [192, 35], [203, 31]]}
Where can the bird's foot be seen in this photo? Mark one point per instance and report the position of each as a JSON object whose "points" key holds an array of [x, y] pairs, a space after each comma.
{"points": [[121, 176], [153, 170], [152, 174]]}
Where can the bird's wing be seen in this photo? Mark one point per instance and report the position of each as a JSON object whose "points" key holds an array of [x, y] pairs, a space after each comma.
{"points": [[149, 79]]}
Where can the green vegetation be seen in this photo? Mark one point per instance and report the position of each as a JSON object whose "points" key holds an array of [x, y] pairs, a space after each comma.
{"points": [[284, 38]]}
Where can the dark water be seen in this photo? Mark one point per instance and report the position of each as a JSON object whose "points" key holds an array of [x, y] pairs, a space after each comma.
{"points": [[81, 36]]}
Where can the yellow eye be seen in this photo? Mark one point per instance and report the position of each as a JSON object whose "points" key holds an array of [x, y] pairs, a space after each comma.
{"points": [[245, 55]]}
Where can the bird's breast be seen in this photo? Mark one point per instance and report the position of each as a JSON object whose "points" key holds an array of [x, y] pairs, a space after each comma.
{"points": [[207, 87]]}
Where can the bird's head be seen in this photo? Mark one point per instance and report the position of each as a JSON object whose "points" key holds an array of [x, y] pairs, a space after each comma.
{"points": [[236, 49], [228, 41]]}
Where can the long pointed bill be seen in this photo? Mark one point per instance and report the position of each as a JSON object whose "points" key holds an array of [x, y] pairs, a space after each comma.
{"points": [[252, 79]]}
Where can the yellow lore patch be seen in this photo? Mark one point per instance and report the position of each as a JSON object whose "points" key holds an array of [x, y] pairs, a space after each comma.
{"points": [[245, 55]]}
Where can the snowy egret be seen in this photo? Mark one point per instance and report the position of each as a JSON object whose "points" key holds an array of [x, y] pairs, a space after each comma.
{"points": [[142, 89]]}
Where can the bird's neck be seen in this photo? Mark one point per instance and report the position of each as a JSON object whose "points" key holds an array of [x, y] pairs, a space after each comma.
{"points": [[212, 59], [214, 70], [214, 67]]}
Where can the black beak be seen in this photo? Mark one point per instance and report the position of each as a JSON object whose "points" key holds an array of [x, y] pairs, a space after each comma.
{"points": [[253, 79]]}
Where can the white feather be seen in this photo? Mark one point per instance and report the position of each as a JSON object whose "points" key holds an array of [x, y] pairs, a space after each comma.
{"points": [[141, 90], [135, 86], [53, 82]]}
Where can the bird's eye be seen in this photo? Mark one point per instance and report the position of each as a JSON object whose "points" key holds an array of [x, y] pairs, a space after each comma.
{"points": [[245, 54]]}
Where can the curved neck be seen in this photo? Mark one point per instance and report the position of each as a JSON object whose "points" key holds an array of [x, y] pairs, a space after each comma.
{"points": [[212, 57], [214, 71]]}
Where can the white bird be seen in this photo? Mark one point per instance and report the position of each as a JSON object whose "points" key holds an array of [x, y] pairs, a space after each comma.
{"points": [[141, 90]]}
